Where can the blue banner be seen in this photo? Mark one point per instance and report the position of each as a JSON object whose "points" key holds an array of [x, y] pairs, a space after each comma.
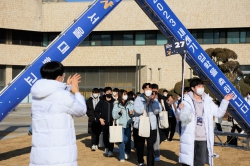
{"points": [[60, 48], [200, 57]]}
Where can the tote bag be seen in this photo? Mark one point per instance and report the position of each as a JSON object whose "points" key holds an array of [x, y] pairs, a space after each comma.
{"points": [[163, 117], [115, 133], [144, 125]]}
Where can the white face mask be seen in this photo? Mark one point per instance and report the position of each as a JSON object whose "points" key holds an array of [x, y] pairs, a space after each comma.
{"points": [[114, 93], [148, 93], [199, 91], [165, 94], [63, 77], [95, 95], [125, 97]]}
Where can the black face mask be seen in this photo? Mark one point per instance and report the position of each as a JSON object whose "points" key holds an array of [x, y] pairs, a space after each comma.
{"points": [[109, 95]]}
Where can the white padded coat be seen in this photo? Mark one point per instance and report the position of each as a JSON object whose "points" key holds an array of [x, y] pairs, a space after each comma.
{"points": [[53, 132], [187, 138]]}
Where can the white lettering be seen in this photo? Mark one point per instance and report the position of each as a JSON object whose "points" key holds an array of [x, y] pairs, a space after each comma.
{"points": [[93, 19], [78, 32], [159, 6], [201, 57], [244, 109], [31, 81], [221, 81], [213, 72], [166, 13], [239, 104], [46, 60], [181, 32], [173, 22], [63, 47]]}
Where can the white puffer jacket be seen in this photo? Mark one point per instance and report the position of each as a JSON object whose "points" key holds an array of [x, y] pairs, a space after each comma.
{"points": [[53, 132], [188, 132]]}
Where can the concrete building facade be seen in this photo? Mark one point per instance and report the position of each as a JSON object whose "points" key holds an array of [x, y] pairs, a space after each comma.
{"points": [[206, 18]]}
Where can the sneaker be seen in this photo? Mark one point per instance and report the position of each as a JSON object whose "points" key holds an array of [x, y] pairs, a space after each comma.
{"points": [[110, 154], [216, 155], [157, 159], [93, 148], [242, 132], [29, 133], [96, 147], [140, 164], [122, 160], [126, 156], [106, 151]]}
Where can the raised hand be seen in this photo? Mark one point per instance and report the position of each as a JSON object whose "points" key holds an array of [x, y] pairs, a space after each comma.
{"points": [[229, 96], [74, 82]]}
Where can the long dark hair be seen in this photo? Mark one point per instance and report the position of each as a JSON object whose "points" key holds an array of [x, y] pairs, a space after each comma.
{"points": [[120, 94]]}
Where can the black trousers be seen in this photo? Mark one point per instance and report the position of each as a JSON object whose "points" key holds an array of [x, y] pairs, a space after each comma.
{"points": [[171, 128], [135, 137], [179, 127], [96, 131], [150, 147], [200, 153], [107, 144]]}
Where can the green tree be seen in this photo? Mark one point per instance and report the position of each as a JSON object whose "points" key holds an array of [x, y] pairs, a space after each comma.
{"points": [[225, 59]]}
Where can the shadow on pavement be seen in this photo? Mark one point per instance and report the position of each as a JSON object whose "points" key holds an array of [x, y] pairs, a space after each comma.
{"points": [[14, 153], [10, 129]]}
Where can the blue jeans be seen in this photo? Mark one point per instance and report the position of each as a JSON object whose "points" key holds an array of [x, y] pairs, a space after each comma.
{"points": [[126, 135], [30, 129]]}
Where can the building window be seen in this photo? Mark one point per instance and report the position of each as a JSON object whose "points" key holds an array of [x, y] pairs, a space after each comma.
{"points": [[198, 35], [16, 70], [106, 39], [2, 76], [52, 36], [25, 37], [100, 77], [232, 36], [208, 37], [140, 38], [216, 36], [150, 38], [95, 39], [16, 37], [222, 37], [161, 39], [45, 40], [3, 36], [243, 35], [128, 39], [248, 36], [117, 39], [36, 38], [85, 42]]}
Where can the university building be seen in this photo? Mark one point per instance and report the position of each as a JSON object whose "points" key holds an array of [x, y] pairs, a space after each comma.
{"points": [[109, 55]]}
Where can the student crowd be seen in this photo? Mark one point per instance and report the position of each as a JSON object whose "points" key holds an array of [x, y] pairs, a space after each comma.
{"points": [[55, 103]]}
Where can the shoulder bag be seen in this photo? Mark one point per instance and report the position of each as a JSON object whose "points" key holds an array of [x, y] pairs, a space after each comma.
{"points": [[163, 117], [115, 132], [144, 125]]}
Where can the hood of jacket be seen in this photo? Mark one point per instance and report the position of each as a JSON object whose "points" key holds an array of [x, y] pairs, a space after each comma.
{"points": [[44, 87]]}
